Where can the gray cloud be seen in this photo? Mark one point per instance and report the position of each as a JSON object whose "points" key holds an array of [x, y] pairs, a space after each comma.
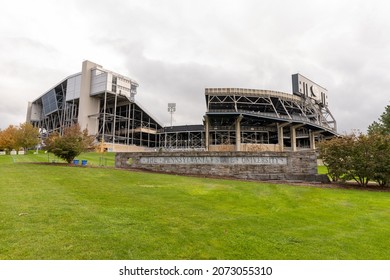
{"points": [[175, 49]]}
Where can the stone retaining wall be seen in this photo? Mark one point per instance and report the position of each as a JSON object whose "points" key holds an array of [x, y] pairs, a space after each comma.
{"points": [[300, 165]]}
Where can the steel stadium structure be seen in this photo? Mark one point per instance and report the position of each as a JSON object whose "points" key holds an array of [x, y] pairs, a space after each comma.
{"points": [[236, 119]]}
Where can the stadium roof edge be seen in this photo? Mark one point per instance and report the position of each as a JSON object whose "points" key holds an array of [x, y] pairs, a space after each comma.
{"points": [[56, 84]]}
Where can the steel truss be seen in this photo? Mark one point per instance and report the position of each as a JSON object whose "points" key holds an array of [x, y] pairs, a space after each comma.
{"points": [[122, 121], [269, 104], [265, 117], [181, 139], [64, 116]]}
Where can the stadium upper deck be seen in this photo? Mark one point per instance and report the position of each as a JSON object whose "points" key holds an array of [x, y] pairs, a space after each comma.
{"points": [[236, 119]]}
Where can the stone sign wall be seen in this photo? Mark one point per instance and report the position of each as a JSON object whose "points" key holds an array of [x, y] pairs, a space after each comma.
{"points": [[227, 160], [300, 165]]}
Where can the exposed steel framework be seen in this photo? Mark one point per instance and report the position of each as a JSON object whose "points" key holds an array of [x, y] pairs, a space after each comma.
{"points": [[63, 114], [238, 116], [236, 119]]}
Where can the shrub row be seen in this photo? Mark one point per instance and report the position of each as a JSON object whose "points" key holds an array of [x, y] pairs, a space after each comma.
{"points": [[358, 157]]}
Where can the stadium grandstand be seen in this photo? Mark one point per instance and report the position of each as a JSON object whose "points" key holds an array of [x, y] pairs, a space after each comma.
{"points": [[236, 119]]}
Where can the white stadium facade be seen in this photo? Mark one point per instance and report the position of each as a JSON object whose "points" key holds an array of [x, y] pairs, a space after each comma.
{"points": [[236, 119]]}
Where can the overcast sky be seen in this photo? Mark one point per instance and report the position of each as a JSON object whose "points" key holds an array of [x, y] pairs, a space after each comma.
{"points": [[176, 48]]}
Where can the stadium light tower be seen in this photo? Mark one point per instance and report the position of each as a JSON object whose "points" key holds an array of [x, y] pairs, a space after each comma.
{"points": [[171, 109]]}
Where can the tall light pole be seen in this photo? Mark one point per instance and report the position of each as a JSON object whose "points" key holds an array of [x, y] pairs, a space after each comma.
{"points": [[171, 109]]}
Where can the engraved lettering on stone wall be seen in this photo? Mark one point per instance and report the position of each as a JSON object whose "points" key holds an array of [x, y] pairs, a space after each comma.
{"points": [[250, 160]]}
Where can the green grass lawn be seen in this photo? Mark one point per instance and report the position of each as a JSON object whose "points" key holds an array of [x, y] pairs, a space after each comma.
{"points": [[66, 212], [93, 159], [322, 169]]}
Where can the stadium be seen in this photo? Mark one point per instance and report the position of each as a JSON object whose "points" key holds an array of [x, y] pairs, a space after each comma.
{"points": [[236, 119]]}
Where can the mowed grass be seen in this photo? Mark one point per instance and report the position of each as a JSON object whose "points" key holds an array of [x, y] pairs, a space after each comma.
{"points": [[322, 169], [93, 159], [65, 212]]}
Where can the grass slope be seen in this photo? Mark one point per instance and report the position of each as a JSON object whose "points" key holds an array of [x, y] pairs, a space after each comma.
{"points": [[64, 212], [93, 159]]}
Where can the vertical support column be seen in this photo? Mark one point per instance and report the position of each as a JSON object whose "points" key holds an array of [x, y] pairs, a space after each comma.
{"points": [[312, 136], [206, 131], [141, 125], [149, 133], [88, 105], [132, 125], [104, 116], [238, 133], [293, 135], [114, 123], [280, 135], [128, 125]]}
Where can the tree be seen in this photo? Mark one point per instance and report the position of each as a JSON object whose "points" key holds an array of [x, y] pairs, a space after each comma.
{"points": [[13, 137], [27, 136], [8, 138], [71, 144], [383, 124], [331, 153], [381, 156], [358, 157], [361, 161]]}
